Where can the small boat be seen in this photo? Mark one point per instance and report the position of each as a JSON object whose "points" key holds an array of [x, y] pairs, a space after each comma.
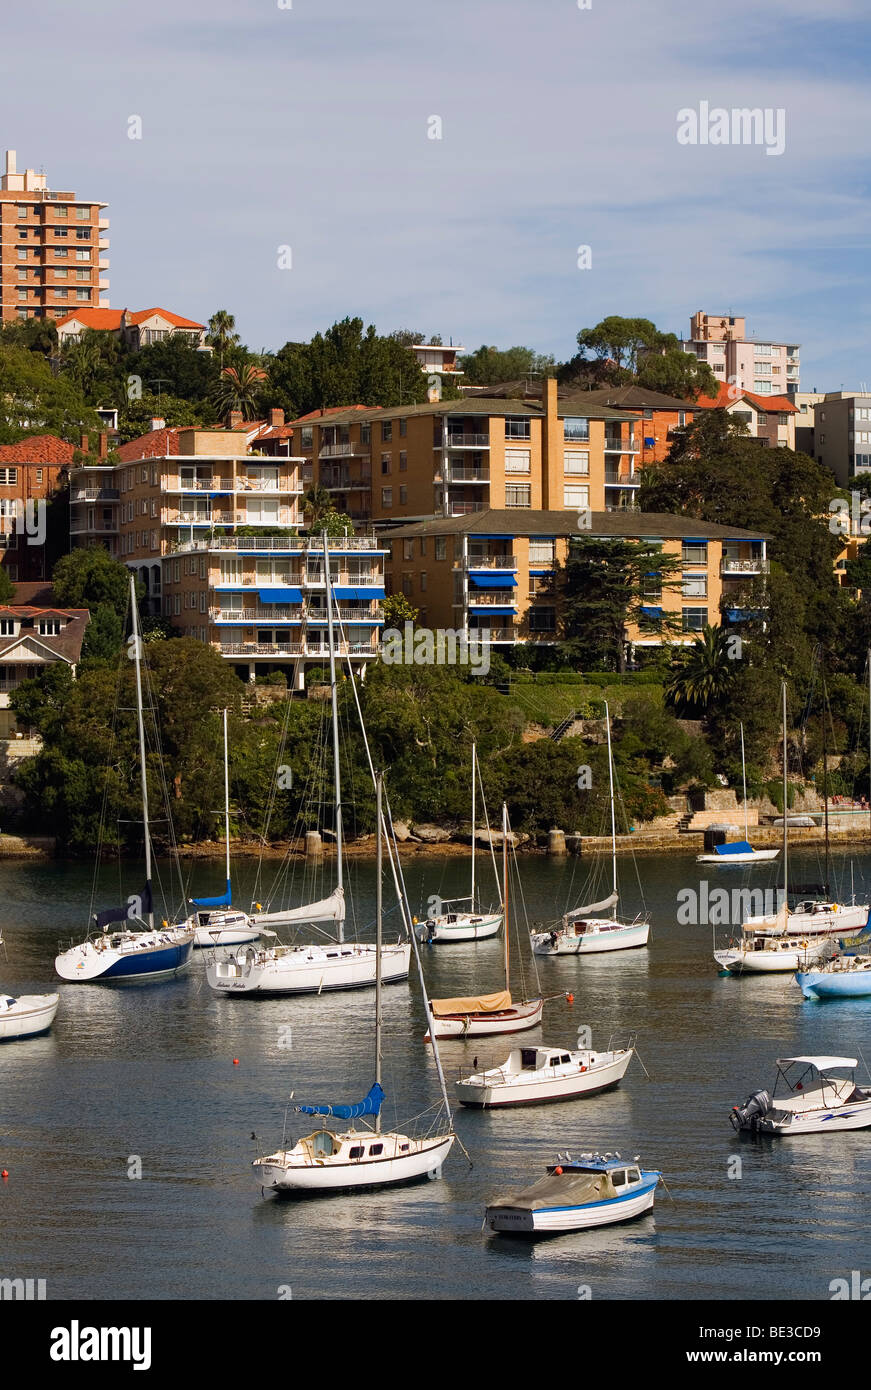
{"points": [[845, 977], [533, 1075], [328, 1161], [575, 1195], [580, 932], [764, 953], [216, 922], [27, 1015], [725, 853], [125, 953], [449, 926], [812, 1100], [475, 1016]]}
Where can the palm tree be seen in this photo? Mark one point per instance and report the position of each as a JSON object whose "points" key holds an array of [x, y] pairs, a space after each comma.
{"points": [[317, 503], [704, 674], [221, 334], [82, 361], [238, 389]]}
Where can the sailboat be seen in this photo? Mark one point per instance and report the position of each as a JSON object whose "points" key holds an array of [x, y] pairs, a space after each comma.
{"points": [[581, 931], [125, 953], [739, 851], [486, 1014], [216, 922], [473, 925], [329, 1160], [312, 968]]}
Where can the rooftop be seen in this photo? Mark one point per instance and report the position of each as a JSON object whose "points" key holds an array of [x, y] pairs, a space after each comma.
{"points": [[510, 522]]}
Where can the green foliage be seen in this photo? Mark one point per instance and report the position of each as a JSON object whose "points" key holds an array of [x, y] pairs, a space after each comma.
{"points": [[676, 373], [7, 588], [398, 610], [608, 586], [90, 577], [703, 674], [135, 417], [35, 401], [488, 366], [104, 635], [345, 366]]}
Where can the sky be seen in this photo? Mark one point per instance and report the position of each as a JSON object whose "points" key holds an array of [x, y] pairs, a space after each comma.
{"points": [[308, 125]]}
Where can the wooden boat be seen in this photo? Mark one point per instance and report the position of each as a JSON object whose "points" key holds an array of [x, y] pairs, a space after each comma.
{"points": [[576, 1195]]}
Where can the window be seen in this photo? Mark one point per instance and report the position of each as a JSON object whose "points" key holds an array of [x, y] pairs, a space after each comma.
{"points": [[375, 1149], [7, 627], [403, 461], [423, 581], [22, 294], [61, 231], [441, 548], [541, 552], [83, 294], [39, 475], [22, 209], [8, 475], [576, 496], [82, 255], [61, 273], [403, 428], [423, 547], [576, 428], [82, 233], [385, 463], [49, 627], [518, 495], [695, 619], [365, 434], [403, 495], [356, 1151], [618, 1177], [22, 253], [576, 461], [22, 274], [517, 461], [694, 552], [695, 586], [61, 294], [387, 497], [386, 431], [82, 214], [406, 585], [408, 550], [681, 418], [542, 619], [60, 253], [61, 212], [176, 572], [516, 428]]}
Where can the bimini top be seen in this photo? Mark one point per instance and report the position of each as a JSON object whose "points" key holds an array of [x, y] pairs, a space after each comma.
{"points": [[821, 1063]]}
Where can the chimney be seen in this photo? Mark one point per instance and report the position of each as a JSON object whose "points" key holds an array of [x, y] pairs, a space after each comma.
{"points": [[548, 396], [234, 420], [84, 444], [103, 445], [158, 422], [10, 161], [276, 419]]}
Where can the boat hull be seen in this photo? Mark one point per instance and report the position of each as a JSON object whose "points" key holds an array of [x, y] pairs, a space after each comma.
{"points": [[856, 1116], [765, 962], [609, 938], [30, 1015], [469, 928], [205, 939], [493, 1094], [86, 964], [307, 970], [513, 1020], [847, 984], [425, 1161], [759, 856], [841, 923], [553, 1221]]}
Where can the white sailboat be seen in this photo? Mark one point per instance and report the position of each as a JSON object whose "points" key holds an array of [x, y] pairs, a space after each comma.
{"points": [[128, 954], [315, 967], [332, 1160], [581, 931], [739, 851], [472, 1016], [471, 925], [26, 1016], [216, 922]]}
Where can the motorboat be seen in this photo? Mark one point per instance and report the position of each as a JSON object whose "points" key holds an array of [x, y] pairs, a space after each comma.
{"points": [[809, 1097], [26, 1016], [768, 953], [581, 931], [845, 977], [576, 1195], [452, 923], [534, 1075]]}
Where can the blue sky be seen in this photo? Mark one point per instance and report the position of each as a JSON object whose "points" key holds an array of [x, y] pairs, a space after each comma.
{"points": [[307, 127]]}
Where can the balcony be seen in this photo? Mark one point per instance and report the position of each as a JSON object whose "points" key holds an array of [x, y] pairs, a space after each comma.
{"points": [[467, 441], [492, 634], [738, 567], [493, 562], [615, 445], [95, 494], [493, 598], [346, 450], [453, 508], [198, 485], [92, 528], [463, 473], [274, 649], [293, 545], [615, 477]]}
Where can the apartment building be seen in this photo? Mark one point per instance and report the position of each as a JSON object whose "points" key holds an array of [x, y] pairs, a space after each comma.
{"points": [[458, 458], [31, 472], [136, 329], [495, 576], [805, 403], [770, 419], [435, 359], [52, 247], [842, 433], [756, 364], [659, 418], [179, 510]]}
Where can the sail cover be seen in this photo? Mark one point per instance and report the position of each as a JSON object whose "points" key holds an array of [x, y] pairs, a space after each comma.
{"points": [[370, 1106], [135, 906], [331, 909], [590, 909], [472, 1004], [224, 900], [736, 847]]}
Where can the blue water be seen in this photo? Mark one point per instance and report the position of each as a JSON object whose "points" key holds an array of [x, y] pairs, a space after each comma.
{"points": [[147, 1072]]}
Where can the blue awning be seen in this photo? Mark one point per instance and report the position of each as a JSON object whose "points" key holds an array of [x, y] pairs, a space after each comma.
{"points": [[695, 540], [285, 595], [370, 1106], [497, 612], [223, 901], [365, 593], [481, 536], [493, 581], [538, 573], [649, 441], [741, 615], [651, 611]]}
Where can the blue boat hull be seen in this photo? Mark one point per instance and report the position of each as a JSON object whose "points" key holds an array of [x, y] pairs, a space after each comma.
{"points": [[147, 964], [817, 985]]}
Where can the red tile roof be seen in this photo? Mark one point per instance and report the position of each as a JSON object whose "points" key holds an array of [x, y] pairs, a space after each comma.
{"points": [[38, 448], [155, 444], [110, 319], [728, 395], [167, 314]]}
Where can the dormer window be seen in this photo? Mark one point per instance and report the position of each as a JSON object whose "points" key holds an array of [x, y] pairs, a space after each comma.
{"points": [[8, 627], [49, 627]]}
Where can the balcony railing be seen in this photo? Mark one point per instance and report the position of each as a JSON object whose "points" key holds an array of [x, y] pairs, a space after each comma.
{"points": [[95, 494], [273, 649], [467, 441], [755, 566], [617, 478], [493, 598], [492, 562], [464, 508], [291, 544], [342, 451], [492, 634], [615, 445], [199, 485], [90, 528]]}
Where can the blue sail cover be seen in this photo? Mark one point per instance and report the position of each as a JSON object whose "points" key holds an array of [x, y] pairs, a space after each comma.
{"points": [[130, 909], [224, 900], [738, 847], [370, 1106]]}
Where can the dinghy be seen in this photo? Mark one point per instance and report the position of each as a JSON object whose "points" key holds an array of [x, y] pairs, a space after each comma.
{"points": [[27, 1015], [534, 1075], [812, 1099], [575, 1195]]}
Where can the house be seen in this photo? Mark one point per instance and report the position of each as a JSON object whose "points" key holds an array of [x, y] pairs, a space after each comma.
{"points": [[135, 329], [32, 636]]}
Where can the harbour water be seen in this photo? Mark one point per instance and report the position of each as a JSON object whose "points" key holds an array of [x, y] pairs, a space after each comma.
{"points": [[172, 1076]]}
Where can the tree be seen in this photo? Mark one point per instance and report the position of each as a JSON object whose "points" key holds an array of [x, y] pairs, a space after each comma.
{"points": [[608, 586], [488, 366], [346, 366], [676, 373], [179, 366], [90, 577], [317, 502], [221, 333], [7, 588], [620, 340], [704, 674], [239, 389], [398, 611], [135, 418], [35, 401]]}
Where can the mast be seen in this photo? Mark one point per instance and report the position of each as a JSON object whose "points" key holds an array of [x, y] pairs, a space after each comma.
{"points": [[227, 800], [744, 783], [473, 827], [869, 731], [334, 696], [613, 822], [825, 790], [378, 912], [505, 891], [137, 656], [785, 830]]}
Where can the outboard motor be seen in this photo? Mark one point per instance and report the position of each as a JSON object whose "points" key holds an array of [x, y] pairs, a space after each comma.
{"points": [[430, 930], [748, 1115]]}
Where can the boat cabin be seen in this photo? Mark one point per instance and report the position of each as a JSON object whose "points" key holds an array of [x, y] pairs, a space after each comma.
{"points": [[354, 1147], [621, 1173]]}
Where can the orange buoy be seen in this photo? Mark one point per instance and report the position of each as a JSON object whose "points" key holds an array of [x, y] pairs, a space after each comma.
{"points": [[558, 1170], [235, 1061], [4, 1175], [570, 999]]}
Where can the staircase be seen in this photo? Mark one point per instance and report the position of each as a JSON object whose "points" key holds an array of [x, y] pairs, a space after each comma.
{"points": [[562, 729]]}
